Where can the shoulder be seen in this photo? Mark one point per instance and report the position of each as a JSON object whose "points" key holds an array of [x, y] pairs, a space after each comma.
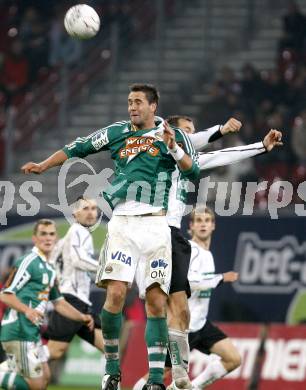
{"points": [[107, 134], [26, 260]]}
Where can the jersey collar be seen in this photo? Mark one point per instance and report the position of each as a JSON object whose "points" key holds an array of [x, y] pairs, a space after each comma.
{"points": [[39, 253]]}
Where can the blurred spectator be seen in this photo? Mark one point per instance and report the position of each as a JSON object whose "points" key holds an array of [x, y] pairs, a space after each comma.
{"points": [[63, 48], [294, 26], [15, 72], [298, 138], [33, 32]]}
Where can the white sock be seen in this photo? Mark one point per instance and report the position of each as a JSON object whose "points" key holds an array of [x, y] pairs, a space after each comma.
{"points": [[139, 384], [214, 370], [44, 354], [179, 353]]}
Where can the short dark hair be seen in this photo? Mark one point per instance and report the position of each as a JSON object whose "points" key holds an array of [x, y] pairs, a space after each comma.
{"points": [[173, 120], [44, 222], [149, 90]]}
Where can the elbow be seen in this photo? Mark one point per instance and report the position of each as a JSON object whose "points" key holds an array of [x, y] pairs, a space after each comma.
{"points": [[193, 173]]}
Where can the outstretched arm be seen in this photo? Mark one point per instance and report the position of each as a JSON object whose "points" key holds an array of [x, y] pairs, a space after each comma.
{"points": [[213, 280], [81, 147], [57, 158], [233, 155], [202, 138]]}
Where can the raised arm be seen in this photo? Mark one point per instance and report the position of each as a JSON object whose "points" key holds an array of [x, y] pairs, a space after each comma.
{"points": [[233, 155], [202, 138]]}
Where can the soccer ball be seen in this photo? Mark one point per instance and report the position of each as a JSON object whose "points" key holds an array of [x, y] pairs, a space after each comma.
{"points": [[82, 21]]}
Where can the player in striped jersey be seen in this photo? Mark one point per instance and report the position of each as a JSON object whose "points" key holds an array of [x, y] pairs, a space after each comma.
{"points": [[146, 152], [205, 336], [30, 286]]}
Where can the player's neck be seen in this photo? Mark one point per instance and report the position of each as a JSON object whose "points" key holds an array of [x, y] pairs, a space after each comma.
{"points": [[205, 244], [150, 124]]}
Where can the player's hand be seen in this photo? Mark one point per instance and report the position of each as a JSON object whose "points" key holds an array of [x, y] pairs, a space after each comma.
{"points": [[32, 167], [88, 321], [273, 138], [34, 316], [169, 136], [230, 277], [231, 126]]}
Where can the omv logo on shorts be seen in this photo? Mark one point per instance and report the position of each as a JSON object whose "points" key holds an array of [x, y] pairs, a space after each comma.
{"points": [[160, 263], [120, 256]]}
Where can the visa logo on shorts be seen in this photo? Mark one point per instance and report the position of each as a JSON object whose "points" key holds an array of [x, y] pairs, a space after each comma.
{"points": [[160, 263], [120, 256]]}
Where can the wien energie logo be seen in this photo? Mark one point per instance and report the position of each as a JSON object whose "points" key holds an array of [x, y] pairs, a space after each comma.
{"points": [[135, 145]]}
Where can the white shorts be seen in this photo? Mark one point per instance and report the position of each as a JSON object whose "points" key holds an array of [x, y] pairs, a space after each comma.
{"points": [[24, 358], [139, 244]]}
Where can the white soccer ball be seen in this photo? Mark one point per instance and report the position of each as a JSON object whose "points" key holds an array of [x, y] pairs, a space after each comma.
{"points": [[82, 21]]}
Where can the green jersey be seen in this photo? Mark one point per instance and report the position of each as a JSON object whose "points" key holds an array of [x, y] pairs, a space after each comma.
{"points": [[34, 283], [143, 165]]}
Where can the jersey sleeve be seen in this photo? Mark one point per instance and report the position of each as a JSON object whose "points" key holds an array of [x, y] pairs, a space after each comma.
{"points": [[55, 294], [185, 143], [93, 143], [229, 156], [202, 138], [20, 275], [81, 258]]}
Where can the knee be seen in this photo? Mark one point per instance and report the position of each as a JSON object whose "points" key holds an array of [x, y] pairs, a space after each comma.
{"points": [[233, 361], [56, 353], [38, 385], [156, 304], [116, 296], [155, 309]]}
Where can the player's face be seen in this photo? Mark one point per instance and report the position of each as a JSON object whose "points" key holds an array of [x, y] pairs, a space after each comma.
{"points": [[45, 238], [140, 110], [187, 126], [87, 214], [203, 226]]}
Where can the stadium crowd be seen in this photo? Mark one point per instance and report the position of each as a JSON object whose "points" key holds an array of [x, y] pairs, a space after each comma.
{"points": [[267, 99]]}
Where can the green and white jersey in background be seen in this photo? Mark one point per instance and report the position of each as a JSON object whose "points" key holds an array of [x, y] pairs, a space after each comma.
{"points": [[34, 283], [143, 165]]}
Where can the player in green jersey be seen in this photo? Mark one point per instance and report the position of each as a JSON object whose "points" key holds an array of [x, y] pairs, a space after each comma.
{"points": [[146, 153], [30, 286]]}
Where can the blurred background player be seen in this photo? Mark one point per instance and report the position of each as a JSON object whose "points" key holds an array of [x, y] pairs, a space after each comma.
{"points": [[204, 336], [30, 286], [73, 260]]}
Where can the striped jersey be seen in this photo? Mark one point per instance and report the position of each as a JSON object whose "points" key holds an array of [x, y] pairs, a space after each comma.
{"points": [[202, 279], [143, 165], [73, 259], [33, 280]]}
